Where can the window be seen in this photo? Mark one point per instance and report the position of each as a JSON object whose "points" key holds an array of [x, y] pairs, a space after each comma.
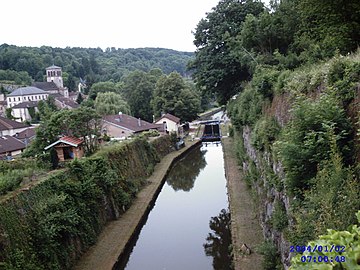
{"points": [[19, 98]]}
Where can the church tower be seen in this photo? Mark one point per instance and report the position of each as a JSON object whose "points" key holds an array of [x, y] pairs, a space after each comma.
{"points": [[54, 74]]}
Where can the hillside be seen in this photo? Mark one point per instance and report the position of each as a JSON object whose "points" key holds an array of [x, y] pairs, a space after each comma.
{"points": [[92, 64]]}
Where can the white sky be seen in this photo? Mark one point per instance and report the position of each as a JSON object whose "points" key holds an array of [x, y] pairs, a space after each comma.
{"points": [[104, 23]]}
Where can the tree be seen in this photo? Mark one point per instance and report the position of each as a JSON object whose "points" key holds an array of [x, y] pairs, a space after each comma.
{"points": [[82, 123], [332, 24], [173, 96], [103, 87], [110, 103], [138, 90], [215, 68]]}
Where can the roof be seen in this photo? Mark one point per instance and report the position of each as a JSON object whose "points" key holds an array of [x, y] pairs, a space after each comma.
{"points": [[7, 124], [67, 102], [170, 117], [53, 67], [9, 144], [28, 90], [129, 122], [25, 134], [26, 104], [46, 86], [73, 141]]}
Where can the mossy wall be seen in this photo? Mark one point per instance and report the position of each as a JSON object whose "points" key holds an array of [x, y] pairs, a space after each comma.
{"points": [[50, 225], [297, 138]]}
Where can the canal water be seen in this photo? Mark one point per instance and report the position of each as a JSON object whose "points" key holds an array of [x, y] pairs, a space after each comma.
{"points": [[189, 225]]}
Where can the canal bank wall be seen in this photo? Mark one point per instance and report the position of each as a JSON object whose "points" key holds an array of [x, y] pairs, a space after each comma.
{"points": [[117, 235], [245, 223]]}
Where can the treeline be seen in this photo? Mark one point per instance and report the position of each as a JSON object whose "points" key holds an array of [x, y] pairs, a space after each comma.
{"points": [[238, 37], [294, 101], [90, 64]]}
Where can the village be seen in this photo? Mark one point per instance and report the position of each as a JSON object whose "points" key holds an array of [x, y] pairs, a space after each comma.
{"points": [[17, 133]]}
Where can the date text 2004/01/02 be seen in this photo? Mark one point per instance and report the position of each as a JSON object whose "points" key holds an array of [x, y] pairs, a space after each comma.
{"points": [[319, 248]]}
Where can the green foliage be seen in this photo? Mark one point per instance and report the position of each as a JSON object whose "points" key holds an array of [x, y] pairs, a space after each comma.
{"points": [[24, 64], [343, 76], [304, 143], [52, 223], [82, 123], [173, 96], [15, 77], [279, 218], [104, 87], [346, 259], [265, 133], [110, 103], [138, 90], [264, 81], [215, 67], [18, 171], [331, 201], [247, 109], [271, 259]]}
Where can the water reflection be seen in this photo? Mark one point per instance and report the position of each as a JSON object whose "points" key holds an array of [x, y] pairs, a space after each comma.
{"points": [[183, 175], [219, 240]]}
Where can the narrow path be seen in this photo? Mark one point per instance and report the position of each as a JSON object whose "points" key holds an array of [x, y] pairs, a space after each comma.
{"points": [[116, 235], [245, 226]]}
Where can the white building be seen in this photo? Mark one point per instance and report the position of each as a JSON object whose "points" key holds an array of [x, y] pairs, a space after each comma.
{"points": [[170, 122], [24, 94]]}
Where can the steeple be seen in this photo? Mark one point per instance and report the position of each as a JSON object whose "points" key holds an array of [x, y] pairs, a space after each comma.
{"points": [[54, 74]]}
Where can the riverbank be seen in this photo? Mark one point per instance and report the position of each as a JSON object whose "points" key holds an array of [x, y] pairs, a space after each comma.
{"points": [[245, 224], [117, 234]]}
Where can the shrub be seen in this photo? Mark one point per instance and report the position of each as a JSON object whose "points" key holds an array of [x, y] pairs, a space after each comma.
{"points": [[279, 218], [247, 109], [271, 260], [265, 132], [349, 258], [304, 143]]}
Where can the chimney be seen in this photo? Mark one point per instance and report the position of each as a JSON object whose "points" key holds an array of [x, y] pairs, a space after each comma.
{"points": [[139, 122]]}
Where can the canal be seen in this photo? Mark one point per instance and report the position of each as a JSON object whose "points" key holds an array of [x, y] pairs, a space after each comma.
{"points": [[189, 225]]}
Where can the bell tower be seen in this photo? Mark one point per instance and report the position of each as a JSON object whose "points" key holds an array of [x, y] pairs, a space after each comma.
{"points": [[54, 74]]}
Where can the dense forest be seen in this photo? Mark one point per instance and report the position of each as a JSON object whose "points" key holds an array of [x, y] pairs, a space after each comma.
{"points": [[90, 64], [290, 76]]}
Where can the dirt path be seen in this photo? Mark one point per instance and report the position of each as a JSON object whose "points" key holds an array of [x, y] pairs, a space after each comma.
{"points": [[245, 226], [115, 236]]}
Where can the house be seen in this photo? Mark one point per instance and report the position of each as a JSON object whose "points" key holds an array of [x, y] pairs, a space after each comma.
{"points": [[10, 127], [24, 94], [122, 125], [25, 111], [10, 146], [23, 100], [170, 122], [68, 148], [26, 136]]}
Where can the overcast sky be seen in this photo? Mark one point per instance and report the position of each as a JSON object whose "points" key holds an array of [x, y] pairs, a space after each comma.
{"points": [[102, 23], [108, 23]]}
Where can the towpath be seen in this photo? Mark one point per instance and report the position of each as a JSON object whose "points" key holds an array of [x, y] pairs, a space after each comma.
{"points": [[245, 226]]}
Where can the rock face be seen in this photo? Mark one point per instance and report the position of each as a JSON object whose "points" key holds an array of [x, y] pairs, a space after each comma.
{"points": [[267, 194]]}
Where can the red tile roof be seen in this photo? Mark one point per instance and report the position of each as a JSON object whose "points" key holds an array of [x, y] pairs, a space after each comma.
{"points": [[73, 141]]}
